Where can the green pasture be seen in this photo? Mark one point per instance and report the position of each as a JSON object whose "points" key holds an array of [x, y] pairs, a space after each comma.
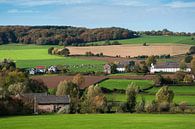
{"points": [[100, 121], [180, 90], [189, 99], [27, 56], [123, 83], [155, 39]]}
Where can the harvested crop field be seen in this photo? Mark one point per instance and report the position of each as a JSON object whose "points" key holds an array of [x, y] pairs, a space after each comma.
{"points": [[132, 50], [53, 81]]}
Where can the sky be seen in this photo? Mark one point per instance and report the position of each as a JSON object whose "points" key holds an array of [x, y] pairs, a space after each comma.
{"points": [[139, 15]]}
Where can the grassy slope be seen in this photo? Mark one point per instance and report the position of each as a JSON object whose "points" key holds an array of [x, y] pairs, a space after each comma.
{"points": [[156, 39], [32, 55], [100, 121], [122, 83]]}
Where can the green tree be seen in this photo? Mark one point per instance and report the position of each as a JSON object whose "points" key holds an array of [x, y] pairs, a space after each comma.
{"points": [[50, 50], [131, 93], [150, 60], [64, 52], [182, 65], [188, 59], [192, 50]]}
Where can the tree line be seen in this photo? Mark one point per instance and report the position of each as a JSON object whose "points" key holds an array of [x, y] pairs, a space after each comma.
{"points": [[166, 32], [60, 35]]}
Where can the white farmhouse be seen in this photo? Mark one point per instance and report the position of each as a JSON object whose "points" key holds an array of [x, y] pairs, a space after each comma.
{"points": [[52, 69], [169, 67]]}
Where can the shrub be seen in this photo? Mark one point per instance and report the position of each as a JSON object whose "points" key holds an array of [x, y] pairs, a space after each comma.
{"points": [[164, 95], [50, 50], [188, 78], [188, 59], [150, 107], [183, 106], [164, 106], [192, 50], [140, 106]]}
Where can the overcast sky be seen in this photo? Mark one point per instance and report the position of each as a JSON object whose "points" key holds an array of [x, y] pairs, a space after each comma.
{"points": [[175, 15]]}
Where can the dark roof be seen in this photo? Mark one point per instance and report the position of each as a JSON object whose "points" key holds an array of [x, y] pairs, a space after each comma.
{"points": [[168, 65], [52, 99], [120, 65], [44, 98]]}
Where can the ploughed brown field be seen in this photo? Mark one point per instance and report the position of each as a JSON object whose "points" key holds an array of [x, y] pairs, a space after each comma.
{"points": [[53, 81], [132, 50]]}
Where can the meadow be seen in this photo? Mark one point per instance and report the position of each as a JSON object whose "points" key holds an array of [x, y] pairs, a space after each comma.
{"points": [[155, 39], [27, 56], [100, 121], [182, 93], [123, 83]]}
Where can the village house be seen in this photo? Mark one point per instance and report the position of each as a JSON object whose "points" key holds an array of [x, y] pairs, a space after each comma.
{"points": [[52, 69], [42, 102], [107, 69], [37, 70], [120, 67], [169, 67]]}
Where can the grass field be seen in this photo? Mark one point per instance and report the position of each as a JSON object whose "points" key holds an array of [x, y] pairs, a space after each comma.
{"points": [[122, 83], [189, 99], [100, 121], [156, 39], [180, 90], [182, 93], [32, 55]]}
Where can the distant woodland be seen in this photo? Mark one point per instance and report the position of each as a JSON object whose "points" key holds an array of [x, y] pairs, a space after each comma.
{"points": [[60, 35], [67, 35]]}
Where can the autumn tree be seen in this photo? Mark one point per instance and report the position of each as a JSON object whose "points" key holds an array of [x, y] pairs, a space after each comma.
{"points": [[78, 79], [93, 100], [71, 89], [164, 97], [17, 88]]}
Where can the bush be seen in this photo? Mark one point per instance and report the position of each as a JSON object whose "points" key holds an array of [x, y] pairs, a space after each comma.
{"points": [[50, 50], [163, 107], [192, 50], [188, 59], [150, 107], [140, 106], [183, 106]]}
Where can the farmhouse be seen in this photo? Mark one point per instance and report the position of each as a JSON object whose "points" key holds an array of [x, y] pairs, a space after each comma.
{"points": [[37, 70], [52, 69], [167, 67], [107, 69], [42, 102], [119, 67]]}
